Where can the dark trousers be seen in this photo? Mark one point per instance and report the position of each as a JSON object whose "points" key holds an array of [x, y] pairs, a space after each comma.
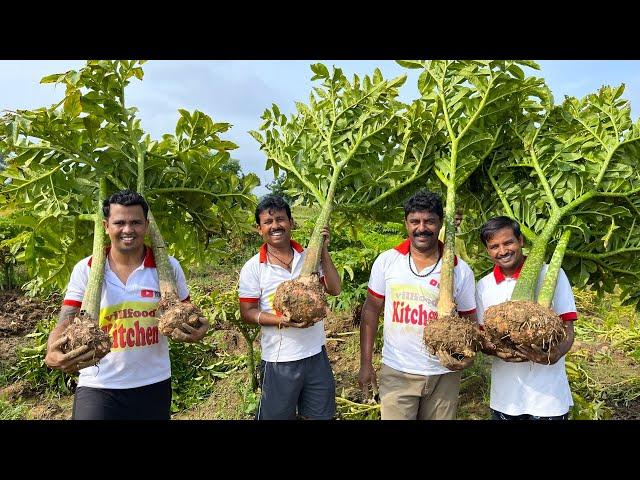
{"points": [[496, 415], [150, 402], [301, 388]]}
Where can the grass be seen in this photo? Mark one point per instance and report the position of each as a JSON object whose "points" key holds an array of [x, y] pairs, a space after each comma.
{"points": [[603, 365]]}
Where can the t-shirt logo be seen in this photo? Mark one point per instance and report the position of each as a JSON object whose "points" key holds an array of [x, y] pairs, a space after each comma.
{"points": [[144, 293]]}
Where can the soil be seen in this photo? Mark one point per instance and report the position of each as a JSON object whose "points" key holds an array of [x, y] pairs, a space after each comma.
{"points": [[230, 341], [173, 315], [84, 331], [18, 317], [457, 336], [304, 300], [19, 314], [523, 323], [232, 399]]}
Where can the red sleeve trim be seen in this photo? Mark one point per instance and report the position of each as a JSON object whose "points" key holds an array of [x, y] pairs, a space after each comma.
{"points": [[569, 316], [72, 303], [377, 295], [466, 312], [249, 299], [186, 300]]}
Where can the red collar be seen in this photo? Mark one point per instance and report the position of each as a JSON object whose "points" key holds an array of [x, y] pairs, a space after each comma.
{"points": [[404, 247], [148, 262], [499, 276], [263, 250]]}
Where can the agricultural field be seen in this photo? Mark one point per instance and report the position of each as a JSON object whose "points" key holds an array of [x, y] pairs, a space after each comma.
{"points": [[487, 136], [212, 380]]}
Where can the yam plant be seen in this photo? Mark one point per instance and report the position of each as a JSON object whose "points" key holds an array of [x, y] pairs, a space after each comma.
{"points": [[56, 155], [570, 176], [345, 125], [471, 102]]}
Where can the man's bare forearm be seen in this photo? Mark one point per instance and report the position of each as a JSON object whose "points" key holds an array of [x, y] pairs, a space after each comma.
{"points": [[67, 312], [368, 329]]}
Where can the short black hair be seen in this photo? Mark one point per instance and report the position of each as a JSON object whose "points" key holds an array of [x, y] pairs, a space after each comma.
{"points": [[272, 202], [126, 198], [494, 224], [424, 201]]}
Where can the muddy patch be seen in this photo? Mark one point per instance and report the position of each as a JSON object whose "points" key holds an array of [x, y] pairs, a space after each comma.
{"points": [[19, 314]]}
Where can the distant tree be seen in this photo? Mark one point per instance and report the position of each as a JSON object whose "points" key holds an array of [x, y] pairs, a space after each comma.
{"points": [[277, 187]]}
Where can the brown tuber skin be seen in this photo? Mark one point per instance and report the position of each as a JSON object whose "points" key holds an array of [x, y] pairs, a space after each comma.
{"points": [[501, 348], [174, 313], [527, 323], [454, 340], [302, 300], [83, 331]]}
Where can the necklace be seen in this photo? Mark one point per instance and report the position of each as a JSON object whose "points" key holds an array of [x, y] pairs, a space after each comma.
{"points": [[429, 272], [288, 264]]}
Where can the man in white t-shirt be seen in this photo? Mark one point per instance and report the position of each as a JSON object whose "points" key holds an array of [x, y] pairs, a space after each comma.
{"points": [[406, 282], [536, 388], [297, 380], [133, 381]]}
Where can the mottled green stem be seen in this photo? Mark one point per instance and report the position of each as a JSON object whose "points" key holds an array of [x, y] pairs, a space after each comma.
{"points": [[525, 288], [314, 249], [446, 303], [168, 288], [545, 297], [91, 300]]}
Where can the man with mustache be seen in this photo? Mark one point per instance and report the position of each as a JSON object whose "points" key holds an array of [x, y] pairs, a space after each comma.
{"points": [[536, 389], [405, 281], [297, 380]]}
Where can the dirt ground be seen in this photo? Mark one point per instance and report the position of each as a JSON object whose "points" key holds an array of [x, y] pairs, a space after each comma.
{"points": [[18, 317], [19, 314], [232, 397]]}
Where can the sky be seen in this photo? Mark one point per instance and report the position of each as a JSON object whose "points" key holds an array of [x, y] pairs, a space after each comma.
{"points": [[238, 91]]}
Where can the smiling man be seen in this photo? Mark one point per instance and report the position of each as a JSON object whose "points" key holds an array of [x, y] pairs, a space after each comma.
{"points": [[536, 389], [405, 281], [297, 380], [133, 381]]}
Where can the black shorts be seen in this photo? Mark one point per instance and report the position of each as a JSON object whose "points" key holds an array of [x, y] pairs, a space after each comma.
{"points": [[150, 402], [300, 388], [496, 415]]}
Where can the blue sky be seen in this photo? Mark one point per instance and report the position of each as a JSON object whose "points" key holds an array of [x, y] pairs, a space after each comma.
{"points": [[238, 91]]}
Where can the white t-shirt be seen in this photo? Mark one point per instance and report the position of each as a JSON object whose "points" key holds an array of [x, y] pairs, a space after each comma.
{"points": [[410, 303], [259, 280], [527, 387], [139, 353]]}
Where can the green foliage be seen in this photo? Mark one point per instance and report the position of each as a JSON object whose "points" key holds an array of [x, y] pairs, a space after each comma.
{"points": [[194, 369], [353, 251], [575, 166], [471, 102], [220, 304], [56, 155], [345, 125], [277, 187], [12, 411], [10, 249], [30, 366], [597, 383], [250, 400], [349, 410]]}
